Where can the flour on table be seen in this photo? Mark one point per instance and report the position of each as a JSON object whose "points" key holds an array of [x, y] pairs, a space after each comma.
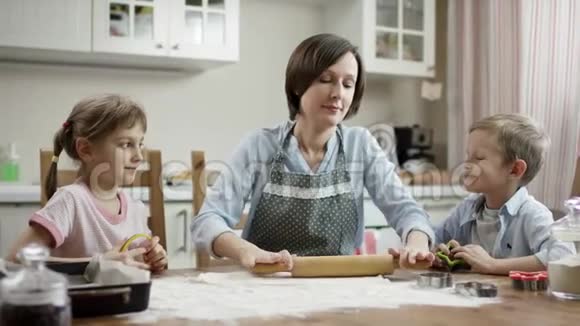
{"points": [[227, 296]]}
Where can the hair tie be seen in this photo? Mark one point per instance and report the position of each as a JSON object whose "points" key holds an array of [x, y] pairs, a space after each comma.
{"points": [[66, 124], [54, 159]]}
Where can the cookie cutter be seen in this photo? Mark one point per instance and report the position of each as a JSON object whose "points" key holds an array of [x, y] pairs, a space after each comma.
{"points": [[436, 280], [529, 281], [476, 289], [450, 263], [127, 243]]}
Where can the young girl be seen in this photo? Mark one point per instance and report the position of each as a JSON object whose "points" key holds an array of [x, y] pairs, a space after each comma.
{"points": [[92, 215]]}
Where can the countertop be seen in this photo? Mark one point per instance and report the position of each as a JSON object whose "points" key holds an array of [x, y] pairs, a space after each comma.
{"points": [[30, 194]]}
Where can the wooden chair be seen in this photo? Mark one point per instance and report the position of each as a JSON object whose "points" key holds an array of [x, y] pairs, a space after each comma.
{"points": [[150, 178], [200, 179]]}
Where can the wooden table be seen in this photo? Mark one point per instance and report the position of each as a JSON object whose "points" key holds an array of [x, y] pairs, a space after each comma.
{"points": [[517, 308]]}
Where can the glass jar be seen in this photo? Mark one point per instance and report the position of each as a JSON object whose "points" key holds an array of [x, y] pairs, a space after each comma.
{"points": [[34, 295], [564, 254]]}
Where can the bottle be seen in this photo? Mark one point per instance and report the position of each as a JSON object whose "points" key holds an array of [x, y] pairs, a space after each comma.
{"points": [[35, 295], [9, 167], [564, 254]]}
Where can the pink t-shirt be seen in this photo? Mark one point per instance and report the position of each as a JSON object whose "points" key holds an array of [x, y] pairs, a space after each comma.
{"points": [[81, 227]]}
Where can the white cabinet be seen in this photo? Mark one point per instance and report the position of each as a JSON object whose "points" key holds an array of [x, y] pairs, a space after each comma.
{"points": [[189, 29], [395, 37], [13, 221], [204, 29], [54, 24], [158, 34], [130, 27], [180, 251]]}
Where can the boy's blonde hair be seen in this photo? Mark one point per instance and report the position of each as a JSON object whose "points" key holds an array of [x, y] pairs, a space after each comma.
{"points": [[519, 137]]}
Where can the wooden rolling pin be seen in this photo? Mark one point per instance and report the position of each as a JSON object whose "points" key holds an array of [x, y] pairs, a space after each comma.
{"points": [[335, 266]]}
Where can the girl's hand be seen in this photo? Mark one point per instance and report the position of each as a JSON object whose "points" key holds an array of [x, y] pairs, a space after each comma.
{"points": [[129, 257], [155, 255]]}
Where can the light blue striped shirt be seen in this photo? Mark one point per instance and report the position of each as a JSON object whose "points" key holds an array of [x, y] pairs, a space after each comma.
{"points": [[243, 178], [524, 227]]}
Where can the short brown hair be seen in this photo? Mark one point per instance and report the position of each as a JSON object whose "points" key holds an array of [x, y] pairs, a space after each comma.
{"points": [[93, 118], [310, 59], [519, 137]]}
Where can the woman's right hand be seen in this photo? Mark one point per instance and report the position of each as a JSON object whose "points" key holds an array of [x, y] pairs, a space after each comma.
{"points": [[246, 253], [252, 255]]}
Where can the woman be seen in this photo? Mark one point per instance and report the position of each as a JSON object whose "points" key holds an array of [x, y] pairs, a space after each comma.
{"points": [[305, 177]]}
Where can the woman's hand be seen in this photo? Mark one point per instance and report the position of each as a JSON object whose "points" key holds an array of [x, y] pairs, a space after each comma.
{"points": [[417, 249], [246, 253], [252, 255]]}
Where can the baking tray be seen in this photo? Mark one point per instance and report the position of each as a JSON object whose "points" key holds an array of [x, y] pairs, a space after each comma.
{"points": [[92, 300]]}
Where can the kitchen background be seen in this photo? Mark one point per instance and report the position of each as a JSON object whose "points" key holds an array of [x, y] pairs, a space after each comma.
{"points": [[210, 110]]}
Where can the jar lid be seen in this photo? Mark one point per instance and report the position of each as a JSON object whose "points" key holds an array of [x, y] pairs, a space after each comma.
{"points": [[34, 284]]}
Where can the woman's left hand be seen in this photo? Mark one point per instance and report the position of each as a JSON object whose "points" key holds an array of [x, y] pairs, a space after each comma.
{"points": [[156, 256], [417, 249]]}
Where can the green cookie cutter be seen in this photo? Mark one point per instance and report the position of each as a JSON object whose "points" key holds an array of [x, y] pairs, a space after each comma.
{"points": [[451, 263]]}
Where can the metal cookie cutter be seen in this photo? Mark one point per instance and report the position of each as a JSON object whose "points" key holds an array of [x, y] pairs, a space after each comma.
{"points": [[476, 289], [529, 281], [436, 280]]}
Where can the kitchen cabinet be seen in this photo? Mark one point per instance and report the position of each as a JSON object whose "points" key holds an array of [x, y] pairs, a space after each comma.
{"points": [[13, 221], [190, 29], [178, 219], [395, 37], [158, 34], [52, 25]]}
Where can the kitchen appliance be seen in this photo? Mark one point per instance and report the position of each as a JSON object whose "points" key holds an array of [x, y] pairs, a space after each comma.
{"points": [[414, 143]]}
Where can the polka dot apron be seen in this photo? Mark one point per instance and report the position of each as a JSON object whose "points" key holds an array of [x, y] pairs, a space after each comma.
{"points": [[309, 215]]}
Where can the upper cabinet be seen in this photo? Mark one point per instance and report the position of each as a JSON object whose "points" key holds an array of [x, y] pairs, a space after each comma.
{"points": [[204, 29], [190, 29], [54, 25], [161, 34], [395, 37], [131, 27]]}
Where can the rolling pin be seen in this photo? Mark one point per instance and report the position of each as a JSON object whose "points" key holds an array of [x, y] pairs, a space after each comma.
{"points": [[336, 266]]}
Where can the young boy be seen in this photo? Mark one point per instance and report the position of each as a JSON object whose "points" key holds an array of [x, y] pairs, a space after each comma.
{"points": [[501, 227]]}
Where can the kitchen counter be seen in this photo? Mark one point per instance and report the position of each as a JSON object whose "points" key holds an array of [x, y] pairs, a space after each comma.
{"points": [[30, 194], [26, 194]]}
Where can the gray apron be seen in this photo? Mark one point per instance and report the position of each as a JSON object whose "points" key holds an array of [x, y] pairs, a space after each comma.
{"points": [[309, 215]]}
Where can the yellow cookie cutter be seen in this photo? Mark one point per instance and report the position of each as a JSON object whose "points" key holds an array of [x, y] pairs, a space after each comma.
{"points": [[127, 243]]}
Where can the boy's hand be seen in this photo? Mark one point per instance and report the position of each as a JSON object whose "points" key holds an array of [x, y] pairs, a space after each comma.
{"points": [[252, 255], [477, 257], [155, 255], [446, 248]]}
